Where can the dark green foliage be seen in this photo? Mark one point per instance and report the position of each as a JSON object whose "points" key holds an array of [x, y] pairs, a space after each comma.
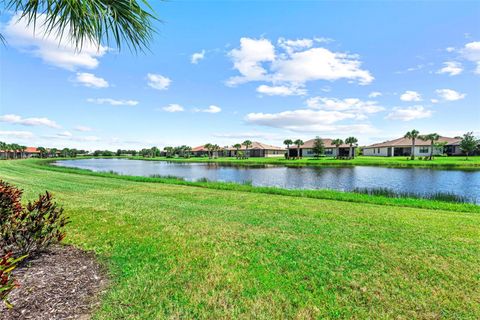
{"points": [[29, 229], [469, 143], [318, 147]]}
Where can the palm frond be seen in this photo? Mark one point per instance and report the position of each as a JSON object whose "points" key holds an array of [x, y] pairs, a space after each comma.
{"points": [[101, 22]]}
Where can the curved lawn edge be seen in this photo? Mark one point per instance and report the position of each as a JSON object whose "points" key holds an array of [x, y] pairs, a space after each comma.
{"points": [[325, 194], [381, 162]]}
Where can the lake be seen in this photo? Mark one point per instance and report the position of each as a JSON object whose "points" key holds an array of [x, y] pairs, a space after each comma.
{"points": [[417, 180]]}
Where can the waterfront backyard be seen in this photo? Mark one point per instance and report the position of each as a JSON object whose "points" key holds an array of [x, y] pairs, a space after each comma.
{"points": [[457, 162], [186, 251]]}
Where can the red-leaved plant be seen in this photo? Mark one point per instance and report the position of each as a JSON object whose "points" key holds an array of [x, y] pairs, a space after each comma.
{"points": [[7, 280], [29, 229]]}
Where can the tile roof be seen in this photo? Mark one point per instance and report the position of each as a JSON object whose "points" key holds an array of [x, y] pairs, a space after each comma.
{"points": [[258, 146], [326, 142], [28, 150], [404, 142]]}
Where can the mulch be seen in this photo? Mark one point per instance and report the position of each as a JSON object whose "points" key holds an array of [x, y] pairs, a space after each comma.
{"points": [[62, 283]]}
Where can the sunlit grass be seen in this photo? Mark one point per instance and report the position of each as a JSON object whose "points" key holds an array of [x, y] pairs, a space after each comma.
{"points": [[185, 251]]}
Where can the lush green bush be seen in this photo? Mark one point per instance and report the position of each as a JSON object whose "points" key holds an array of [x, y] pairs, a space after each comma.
{"points": [[7, 280], [31, 228]]}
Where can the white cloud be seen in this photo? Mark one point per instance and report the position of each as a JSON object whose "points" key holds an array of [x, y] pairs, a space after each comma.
{"points": [[173, 108], [450, 49], [319, 64], [210, 109], [247, 135], [297, 62], [67, 136], [157, 81], [409, 113], [295, 119], [434, 100], [83, 129], [471, 52], [64, 134], [48, 47], [374, 94], [291, 46], [113, 102], [16, 134], [16, 119], [308, 120], [91, 80], [411, 96], [352, 105], [281, 90], [452, 68], [247, 60], [197, 56], [449, 94]]}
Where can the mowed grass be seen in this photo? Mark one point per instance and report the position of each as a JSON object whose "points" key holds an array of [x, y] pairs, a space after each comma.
{"points": [[178, 251], [459, 162]]}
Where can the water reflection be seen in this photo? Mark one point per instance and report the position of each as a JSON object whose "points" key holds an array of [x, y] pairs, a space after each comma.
{"points": [[418, 180]]}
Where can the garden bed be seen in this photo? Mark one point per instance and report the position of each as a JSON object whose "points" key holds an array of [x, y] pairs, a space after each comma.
{"points": [[62, 283]]}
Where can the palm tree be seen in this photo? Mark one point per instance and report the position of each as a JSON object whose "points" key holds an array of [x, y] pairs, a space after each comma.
{"points": [[3, 147], [298, 143], [90, 21], [22, 150], [351, 141], [53, 152], [337, 143], [216, 148], [42, 151], [237, 148], [247, 144], [168, 151], [432, 137], [412, 135], [209, 147], [288, 143], [15, 147]]}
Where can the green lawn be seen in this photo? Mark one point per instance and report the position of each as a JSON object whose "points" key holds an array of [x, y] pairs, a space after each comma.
{"points": [[445, 162], [180, 251]]}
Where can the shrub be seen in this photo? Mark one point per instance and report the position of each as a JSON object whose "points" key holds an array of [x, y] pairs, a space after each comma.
{"points": [[29, 229], [7, 280]]}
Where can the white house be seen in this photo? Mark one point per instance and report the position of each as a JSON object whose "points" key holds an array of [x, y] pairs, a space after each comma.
{"points": [[403, 147]]}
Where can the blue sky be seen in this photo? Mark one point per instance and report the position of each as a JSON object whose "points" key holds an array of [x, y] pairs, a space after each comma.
{"points": [[222, 72]]}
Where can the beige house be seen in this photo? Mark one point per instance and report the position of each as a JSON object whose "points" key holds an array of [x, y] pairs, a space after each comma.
{"points": [[257, 149], [28, 153], [306, 150], [403, 147]]}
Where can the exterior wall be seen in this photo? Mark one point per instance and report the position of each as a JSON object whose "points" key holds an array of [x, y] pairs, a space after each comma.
{"points": [[308, 152], [380, 152], [274, 153], [420, 151]]}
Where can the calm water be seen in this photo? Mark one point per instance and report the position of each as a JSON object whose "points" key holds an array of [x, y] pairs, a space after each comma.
{"points": [[422, 181]]}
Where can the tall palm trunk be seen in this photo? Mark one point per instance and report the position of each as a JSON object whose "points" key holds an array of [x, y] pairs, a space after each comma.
{"points": [[288, 152], [431, 149], [412, 156], [298, 152]]}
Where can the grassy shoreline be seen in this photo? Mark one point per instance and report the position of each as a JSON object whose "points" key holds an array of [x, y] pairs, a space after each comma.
{"points": [[185, 251], [325, 194], [459, 163]]}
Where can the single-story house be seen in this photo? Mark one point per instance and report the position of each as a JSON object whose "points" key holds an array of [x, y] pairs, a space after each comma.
{"points": [[403, 147], [28, 153], [306, 150], [257, 149], [201, 151]]}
